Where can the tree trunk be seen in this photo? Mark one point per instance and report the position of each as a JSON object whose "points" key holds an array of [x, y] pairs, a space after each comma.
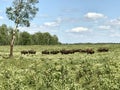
{"points": [[12, 42], [11, 45]]}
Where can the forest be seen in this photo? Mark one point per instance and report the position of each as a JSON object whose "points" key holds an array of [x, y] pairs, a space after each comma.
{"points": [[25, 38]]}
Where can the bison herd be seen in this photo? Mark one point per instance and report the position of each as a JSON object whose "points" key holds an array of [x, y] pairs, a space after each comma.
{"points": [[72, 51], [28, 52], [64, 51]]}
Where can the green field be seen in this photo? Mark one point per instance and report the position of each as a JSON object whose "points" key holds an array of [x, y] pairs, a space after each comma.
{"points": [[78, 71]]}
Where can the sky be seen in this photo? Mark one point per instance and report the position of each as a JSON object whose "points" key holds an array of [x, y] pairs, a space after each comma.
{"points": [[73, 21]]}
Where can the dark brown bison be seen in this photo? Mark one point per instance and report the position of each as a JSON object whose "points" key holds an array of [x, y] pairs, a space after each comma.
{"points": [[103, 50], [31, 51], [82, 51], [45, 52], [90, 51], [24, 52], [67, 51], [54, 52], [76, 50]]}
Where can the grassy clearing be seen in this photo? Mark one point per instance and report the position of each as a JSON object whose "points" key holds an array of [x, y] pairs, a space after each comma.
{"points": [[99, 71]]}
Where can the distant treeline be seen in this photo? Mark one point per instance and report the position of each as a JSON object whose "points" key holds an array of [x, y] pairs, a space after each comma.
{"points": [[25, 38]]}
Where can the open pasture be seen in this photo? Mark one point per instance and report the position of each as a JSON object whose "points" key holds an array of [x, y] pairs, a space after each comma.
{"points": [[78, 71]]}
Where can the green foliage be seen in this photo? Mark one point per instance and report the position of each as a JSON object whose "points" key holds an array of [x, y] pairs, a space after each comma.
{"points": [[79, 71], [4, 34], [22, 11], [25, 38]]}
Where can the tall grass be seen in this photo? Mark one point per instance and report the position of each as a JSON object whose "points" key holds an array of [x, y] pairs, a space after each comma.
{"points": [[79, 71]]}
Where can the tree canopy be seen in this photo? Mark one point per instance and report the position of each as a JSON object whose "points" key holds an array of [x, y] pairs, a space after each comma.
{"points": [[22, 12]]}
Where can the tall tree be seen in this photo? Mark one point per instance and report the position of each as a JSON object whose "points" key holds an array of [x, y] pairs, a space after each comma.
{"points": [[3, 34], [46, 38], [54, 40], [21, 12], [24, 38]]}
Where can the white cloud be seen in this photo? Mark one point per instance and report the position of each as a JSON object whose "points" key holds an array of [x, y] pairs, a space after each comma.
{"points": [[51, 27], [115, 35], [51, 24], [107, 27], [54, 23], [94, 16], [58, 20], [70, 20], [79, 29], [32, 29], [115, 22], [1, 17], [40, 28]]}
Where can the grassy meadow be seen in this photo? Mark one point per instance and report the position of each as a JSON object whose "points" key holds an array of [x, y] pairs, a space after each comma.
{"points": [[78, 71]]}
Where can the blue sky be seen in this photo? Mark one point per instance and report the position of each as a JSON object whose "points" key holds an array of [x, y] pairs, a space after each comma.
{"points": [[74, 21]]}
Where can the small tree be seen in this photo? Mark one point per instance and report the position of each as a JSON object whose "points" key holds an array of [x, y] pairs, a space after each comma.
{"points": [[21, 12]]}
